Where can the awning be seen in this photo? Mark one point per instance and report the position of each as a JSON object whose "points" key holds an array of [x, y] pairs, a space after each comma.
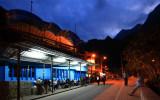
{"points": [[40, 54]]}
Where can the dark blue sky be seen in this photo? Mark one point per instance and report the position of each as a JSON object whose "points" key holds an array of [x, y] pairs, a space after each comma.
{"points": [[94, 19]]}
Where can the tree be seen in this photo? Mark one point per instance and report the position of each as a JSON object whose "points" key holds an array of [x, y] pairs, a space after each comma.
{"points": [[143, 53]]}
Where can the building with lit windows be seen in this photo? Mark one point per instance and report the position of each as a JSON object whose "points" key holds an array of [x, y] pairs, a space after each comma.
{"points": [[38, 49]]}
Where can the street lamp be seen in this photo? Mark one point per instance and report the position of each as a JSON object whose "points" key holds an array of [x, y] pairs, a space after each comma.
{"points": [[92, 61], [93, 55], [104, 58], [153, 60]]}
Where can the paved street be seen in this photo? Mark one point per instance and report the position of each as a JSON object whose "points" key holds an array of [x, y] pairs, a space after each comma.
{"points": [[113, 90], [84, 93], [118, 91]]}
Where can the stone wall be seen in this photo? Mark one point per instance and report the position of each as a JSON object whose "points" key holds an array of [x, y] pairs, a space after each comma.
{"points": [[25, 88]]}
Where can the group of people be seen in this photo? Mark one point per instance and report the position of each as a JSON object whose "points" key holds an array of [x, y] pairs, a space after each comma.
{"points": [[103, 79], [84, 80], [137, 85], [58, 83], [47, 83]]}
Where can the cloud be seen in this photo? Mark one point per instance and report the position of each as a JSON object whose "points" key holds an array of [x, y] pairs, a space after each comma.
{"points": [[94, 19], [149, 8]]}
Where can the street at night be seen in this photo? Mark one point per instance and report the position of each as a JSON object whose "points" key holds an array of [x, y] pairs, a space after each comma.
{"points": [[68, 49], [113, 90], [83, 93]]}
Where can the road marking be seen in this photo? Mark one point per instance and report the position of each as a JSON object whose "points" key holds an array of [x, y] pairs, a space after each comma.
{"points": [[119, 91]]}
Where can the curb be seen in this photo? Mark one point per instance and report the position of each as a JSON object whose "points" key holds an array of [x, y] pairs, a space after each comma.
{"points": [[55, 93]]}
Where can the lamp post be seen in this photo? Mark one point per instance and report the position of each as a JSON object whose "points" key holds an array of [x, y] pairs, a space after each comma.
{"points": [[104, 58], [153, 62], [122, 65], [92, 61], [80, 68], [52, 71]]}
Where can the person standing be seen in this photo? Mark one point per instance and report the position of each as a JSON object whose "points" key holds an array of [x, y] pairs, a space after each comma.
{"points": [[74, 82], [55, 84], [98, 79], [125, 76], [104, 79], [138, 84], [82, 80], [46, 85]]}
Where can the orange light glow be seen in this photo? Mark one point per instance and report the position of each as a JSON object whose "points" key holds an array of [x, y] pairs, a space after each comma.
{"points": [[153, 60], [91, 61], [143, 66], [93, 55], [104, 57], [64, 40]]}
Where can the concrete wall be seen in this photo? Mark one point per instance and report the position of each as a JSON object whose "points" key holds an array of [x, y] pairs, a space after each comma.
{"points": [[7, 78], [147, 94], [74, 73], [47, 73]]}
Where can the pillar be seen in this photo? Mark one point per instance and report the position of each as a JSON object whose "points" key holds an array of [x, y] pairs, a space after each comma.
{"points": [[69, 70], [43, 71], [80, 69], [52, 72], [61, 73], [67, 73], [22, 73], [56, 74], [31, 74], [27, 71], [35, 72], [12, 73], [18, 74], [64, 74]]}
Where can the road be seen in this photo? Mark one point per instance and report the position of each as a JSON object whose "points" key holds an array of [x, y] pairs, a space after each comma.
{"points": [[84, 93]]}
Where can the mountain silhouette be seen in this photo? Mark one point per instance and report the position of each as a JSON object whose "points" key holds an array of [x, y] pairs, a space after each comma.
{"points": [[124, 33], [153, 18]]}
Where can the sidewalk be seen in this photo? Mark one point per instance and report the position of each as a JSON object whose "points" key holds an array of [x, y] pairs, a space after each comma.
{"points": [[118, 91], [35, 97]]}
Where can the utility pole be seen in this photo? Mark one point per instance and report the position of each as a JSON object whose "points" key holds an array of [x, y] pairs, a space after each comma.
{"points": [[101, 66], [121, 65]]}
